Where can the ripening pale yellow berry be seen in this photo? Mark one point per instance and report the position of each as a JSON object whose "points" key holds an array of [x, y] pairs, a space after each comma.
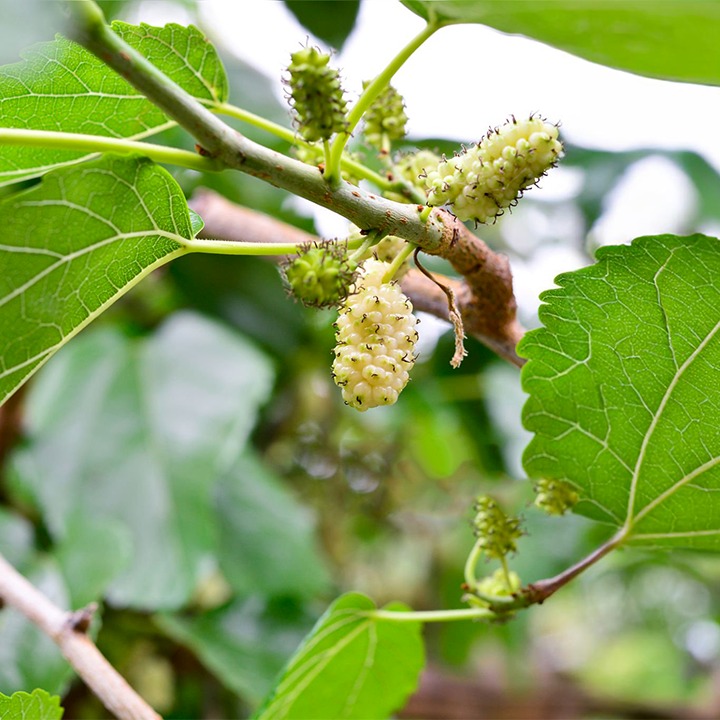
{"points": [[486, 178], [376, 338]]}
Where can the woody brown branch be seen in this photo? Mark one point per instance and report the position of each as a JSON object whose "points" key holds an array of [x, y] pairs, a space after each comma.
{"points": [[484, 295], [67, 630]]}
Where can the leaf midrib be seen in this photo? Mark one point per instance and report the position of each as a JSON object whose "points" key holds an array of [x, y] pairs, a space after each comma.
{"points": [[631, 516]]}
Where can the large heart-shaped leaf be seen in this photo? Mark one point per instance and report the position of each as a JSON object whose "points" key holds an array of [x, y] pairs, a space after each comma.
{"points": [[350, 666], [673, 39], [134, 434], [624, 391], [266, 542], [72, 245], [60, 86]]}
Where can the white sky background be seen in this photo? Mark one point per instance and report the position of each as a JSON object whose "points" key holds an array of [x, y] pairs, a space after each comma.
{"points": [[468, 77]]}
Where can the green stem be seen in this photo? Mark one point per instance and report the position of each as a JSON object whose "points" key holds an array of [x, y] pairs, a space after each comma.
{"points": [[506, 573], [432, 615], [260, 122], [229, 247], [369, 95], [231, 149], [367, 243], [399, 259], [425, 212], [471, 564], [355, 168], [99, 144]]}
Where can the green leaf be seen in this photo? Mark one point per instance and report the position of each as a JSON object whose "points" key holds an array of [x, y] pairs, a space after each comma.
{"points": [[624, 399], [37, 705], [134, 433], [184, 54], [60, 86], [673, 40], [328, 20], [28, 657], [92, 554], [72, 245], [266, 542], [196, 223], [350, 666], [244, 644], [16, 537]]}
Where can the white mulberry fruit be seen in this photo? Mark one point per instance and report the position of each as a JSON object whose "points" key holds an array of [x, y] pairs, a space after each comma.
{"points": [[488, 177], [376, 338]]}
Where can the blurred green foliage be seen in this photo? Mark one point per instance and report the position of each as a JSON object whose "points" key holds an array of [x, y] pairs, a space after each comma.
{"points": [[274, 498]]}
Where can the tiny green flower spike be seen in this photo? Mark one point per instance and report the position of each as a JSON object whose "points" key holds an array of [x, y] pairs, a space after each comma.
{"points": [[555, 497], [375, 340], [483, 180], [496, 531]]}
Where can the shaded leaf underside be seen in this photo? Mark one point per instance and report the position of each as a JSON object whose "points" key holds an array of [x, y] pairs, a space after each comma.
{"points": [[624, 392], [132, 435]]}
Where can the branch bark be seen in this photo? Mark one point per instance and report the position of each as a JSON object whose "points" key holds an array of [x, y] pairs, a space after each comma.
{"points": [[67, 630], [485, 297]]}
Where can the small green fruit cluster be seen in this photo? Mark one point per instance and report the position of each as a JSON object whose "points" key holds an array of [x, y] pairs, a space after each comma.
{"points": [[499, 584], [485, 179], [316, 95], [320, 276], [497, 532], [555, 497], [385, 119], [375, 340]]}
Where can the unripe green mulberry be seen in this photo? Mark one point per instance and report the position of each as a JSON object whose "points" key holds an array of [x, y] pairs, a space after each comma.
{"points": [[485, 179], [499, 584], [496, 531], [316, 95], [375, 340], [320, 276], [555, 497], [385, 120]]}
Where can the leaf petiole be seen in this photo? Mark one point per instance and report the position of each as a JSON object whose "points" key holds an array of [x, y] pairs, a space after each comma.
{"points": [[368, 96], [101, 144], [229, 247], [432, 615]]}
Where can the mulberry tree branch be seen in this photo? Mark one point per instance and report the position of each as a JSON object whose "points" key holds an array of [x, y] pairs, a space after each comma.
{"points": [[68, 631], [489, 305], [485, 297], [230, 149]]}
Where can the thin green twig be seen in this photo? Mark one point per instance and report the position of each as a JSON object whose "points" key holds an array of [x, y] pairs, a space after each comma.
{"points": [[371, 92], [100, 144]]}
